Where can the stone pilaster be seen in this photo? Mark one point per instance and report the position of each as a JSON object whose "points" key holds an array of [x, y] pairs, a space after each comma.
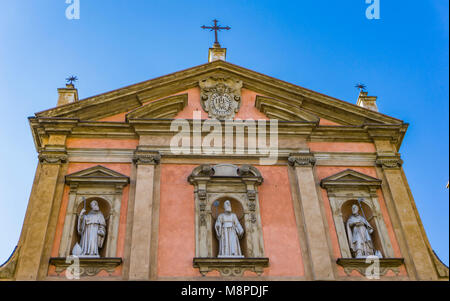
{"points": [[391, 165], [33, 245], [316, 236], [140, 255]]}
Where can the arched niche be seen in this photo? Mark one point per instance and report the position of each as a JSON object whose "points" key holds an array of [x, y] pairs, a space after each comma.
{"points": [[365, 210], [105, 208], [238, 209]]}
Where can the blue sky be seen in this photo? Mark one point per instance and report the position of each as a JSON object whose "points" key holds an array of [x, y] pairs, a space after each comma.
{"points": [[327, 46]]}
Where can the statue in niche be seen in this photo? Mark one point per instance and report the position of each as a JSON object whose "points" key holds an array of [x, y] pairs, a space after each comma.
{"points": [[228, 231], [358, 231], [92, 229]]}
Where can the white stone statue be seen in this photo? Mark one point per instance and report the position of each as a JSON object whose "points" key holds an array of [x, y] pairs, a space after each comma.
{"points": [[358, 231], [228, 231], [92, 228]]}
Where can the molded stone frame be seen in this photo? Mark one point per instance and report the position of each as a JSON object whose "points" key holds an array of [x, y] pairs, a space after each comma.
{"points": [[217, 182], [95, 182], [351, 185]]}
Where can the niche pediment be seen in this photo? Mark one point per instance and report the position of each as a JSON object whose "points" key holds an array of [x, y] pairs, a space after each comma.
{"points": [[224, 171], [97, 175], [350, 178]]}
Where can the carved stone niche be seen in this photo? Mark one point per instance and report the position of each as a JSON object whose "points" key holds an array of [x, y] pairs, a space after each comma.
{"points": [[212, 186], [220, 97], [104, 186], [344, 189]]}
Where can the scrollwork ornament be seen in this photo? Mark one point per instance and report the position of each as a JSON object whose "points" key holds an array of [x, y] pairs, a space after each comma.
{"points": [[251, 194], [202, 194], [202, 219]]}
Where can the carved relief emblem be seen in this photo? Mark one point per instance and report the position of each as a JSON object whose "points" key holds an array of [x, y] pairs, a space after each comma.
{"points": [[220, 97]]}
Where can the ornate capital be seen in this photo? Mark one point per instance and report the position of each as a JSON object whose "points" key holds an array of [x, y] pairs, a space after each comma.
{"points": [[220, 97], [300, 159], [142, 156], [389, 162], [53, 155]]}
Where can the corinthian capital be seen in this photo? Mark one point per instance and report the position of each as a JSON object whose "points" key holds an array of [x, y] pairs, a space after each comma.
{"points": [[301, 159]]}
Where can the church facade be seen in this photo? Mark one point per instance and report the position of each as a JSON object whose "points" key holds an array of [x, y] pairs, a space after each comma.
{"points": [[219, 172]]}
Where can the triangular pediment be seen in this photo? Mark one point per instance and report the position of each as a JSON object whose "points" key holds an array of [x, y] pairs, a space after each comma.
{"points": [[292, 101], [95, 175], [349, 178]]}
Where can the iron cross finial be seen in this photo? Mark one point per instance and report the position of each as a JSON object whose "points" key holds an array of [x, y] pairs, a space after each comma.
{"points": [[71, 79], [216, 28], [361, 87]]}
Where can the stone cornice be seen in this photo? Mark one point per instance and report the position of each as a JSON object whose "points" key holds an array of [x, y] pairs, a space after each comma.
{"points": [[393, 132], [134, 128], [43, 127], [162, 126]]}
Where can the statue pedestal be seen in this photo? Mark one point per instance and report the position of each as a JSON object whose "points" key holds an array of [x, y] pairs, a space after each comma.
{"points": [[230, 266], [89, 266], [361, 265]]}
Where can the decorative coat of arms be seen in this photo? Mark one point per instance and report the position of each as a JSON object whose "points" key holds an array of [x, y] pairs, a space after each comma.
{"points": [[220, 97]]}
